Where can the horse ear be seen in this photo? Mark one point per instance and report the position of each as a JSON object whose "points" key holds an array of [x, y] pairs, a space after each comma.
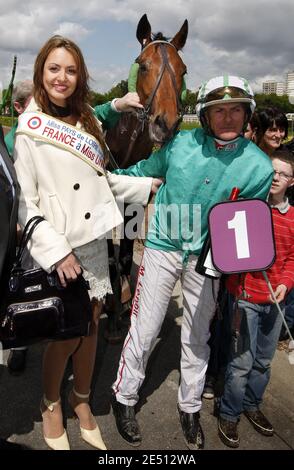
{"points": [[144, 31], [179, 39]]}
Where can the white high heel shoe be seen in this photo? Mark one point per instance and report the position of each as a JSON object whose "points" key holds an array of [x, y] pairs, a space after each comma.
{"points": [[55, 443], [91, 436]]}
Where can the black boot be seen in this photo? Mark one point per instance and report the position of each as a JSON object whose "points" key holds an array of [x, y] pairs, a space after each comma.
{"points": [[259, 422], [126, 422], [228, 432], [192, 430]]}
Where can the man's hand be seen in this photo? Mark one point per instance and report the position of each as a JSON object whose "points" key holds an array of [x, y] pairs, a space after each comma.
{"points": [[128, 102], [68, 269], [156, 183], [280, 293]]}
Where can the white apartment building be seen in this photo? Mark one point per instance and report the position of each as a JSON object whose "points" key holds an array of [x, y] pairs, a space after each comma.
{"points": [[290, 83], [281, 88], [269, 87], [272, 86]]}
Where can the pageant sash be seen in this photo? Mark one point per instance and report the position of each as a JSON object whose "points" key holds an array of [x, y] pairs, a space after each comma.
{"points": [[63, 135]]}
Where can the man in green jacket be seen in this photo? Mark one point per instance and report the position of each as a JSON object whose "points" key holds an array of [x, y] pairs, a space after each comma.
{"points": [[200, 167]]}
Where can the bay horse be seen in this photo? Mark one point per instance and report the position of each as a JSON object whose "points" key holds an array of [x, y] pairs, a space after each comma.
{"points": [[159, 85], [159, 82]]}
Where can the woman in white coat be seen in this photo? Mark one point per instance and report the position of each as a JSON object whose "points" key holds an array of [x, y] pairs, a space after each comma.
{"points": [[60, 163]]}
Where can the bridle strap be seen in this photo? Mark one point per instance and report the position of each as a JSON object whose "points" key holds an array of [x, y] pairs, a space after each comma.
{"points": [[172, 75], [158, 41], [133, 139], [165, 66], [143, 115]]}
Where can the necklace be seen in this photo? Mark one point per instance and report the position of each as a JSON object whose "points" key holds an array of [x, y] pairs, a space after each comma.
{"points": [[59, 111]]}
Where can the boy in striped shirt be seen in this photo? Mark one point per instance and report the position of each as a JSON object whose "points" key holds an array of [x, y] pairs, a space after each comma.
{"points": [[256, 318]]}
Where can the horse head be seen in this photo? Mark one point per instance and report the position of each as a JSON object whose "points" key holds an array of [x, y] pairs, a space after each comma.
{"points": [[160, 79]]}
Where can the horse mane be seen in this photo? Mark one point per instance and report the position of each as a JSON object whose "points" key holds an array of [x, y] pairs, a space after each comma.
{"points": [[159, 37]]}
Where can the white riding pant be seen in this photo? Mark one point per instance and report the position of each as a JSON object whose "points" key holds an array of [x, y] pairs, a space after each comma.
{"points": [[157, 277]]}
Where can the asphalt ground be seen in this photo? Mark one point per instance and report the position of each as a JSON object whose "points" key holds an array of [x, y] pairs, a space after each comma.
{"points": [[20, 419]]}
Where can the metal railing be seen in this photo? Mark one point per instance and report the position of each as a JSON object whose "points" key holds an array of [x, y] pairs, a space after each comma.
{"points": [[190, 118]]}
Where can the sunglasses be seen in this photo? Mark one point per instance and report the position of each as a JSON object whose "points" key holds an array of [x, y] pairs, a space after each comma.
{"points": [[227, 92]]}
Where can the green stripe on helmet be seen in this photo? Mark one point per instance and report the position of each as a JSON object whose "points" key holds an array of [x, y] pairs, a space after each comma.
{"points": [[246, 86], [226, 80], [202, 90]]}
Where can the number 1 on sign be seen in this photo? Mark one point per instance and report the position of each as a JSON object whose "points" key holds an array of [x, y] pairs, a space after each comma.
{"points": [[239, 224]]}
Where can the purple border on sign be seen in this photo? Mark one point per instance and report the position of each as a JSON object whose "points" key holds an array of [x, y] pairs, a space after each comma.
{"points": [[260, 236]]}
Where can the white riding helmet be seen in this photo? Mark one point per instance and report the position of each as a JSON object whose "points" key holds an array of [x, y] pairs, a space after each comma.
{"points": [[224, 89]]}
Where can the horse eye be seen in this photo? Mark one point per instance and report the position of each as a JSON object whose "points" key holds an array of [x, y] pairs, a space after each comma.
{"points": [[143, 67]]}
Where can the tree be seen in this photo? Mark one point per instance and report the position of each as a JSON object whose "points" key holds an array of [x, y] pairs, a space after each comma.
{"points": [[118, 90], [190, 101], [281, 102], [97, 98], [5, 108]]}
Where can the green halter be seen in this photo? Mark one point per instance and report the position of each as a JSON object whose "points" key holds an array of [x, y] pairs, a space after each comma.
{"points": [[133, 75]]}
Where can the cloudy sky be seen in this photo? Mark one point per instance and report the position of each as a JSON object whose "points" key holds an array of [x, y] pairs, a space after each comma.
{"points": [[252, 38]]}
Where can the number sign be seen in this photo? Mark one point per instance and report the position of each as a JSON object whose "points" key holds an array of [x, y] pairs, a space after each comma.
{"points": [[241, 236]]}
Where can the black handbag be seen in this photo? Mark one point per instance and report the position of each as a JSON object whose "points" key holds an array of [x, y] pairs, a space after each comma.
{"points": [[37, 307]]}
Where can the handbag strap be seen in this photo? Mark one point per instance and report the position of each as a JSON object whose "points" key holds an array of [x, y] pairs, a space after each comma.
{"points": [[26, 235]]}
